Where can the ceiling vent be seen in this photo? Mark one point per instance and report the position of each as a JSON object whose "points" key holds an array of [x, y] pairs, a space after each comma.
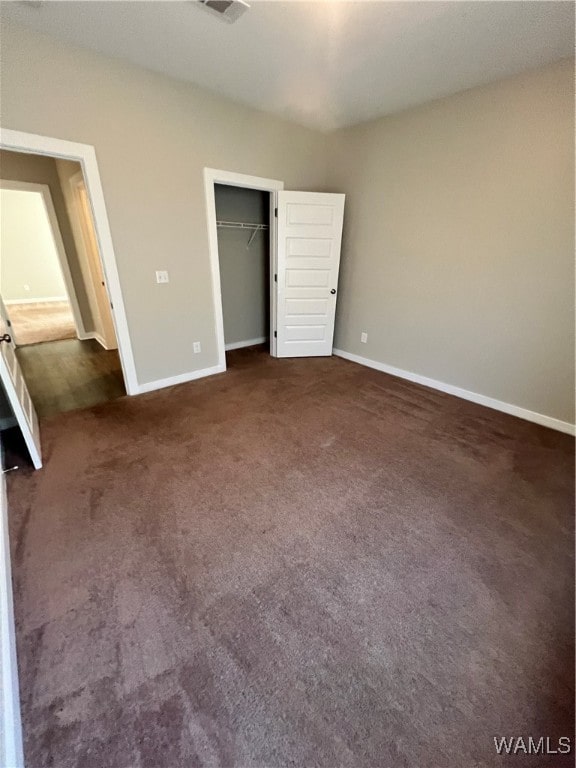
{"points": [[227, 10]]}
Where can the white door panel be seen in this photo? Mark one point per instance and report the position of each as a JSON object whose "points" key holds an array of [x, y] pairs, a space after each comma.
{"points": [[305, 332], [307, 278], [309, 240], [304, 307], [308, 246], [17, 391], [308, 214]]}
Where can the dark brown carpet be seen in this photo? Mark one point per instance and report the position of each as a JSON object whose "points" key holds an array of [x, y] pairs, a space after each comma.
{"points": [[296, 563]]}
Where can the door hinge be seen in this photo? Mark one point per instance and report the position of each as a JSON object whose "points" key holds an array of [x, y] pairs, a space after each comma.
{"points": [[276, 212], [275, 278], [112, 305], [275, 334]]}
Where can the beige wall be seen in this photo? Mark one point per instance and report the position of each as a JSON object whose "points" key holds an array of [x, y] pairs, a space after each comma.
{"points": [[153, 137], [244, 271], [458, 247], [29, 265], [458, 254], [17, 166]]}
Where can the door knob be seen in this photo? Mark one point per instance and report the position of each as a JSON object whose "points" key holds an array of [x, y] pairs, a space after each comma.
{"points": [[333, 290], [6, 337]]}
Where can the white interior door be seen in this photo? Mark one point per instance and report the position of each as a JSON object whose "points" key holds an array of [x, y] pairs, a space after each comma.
{"points": [[308, 259], [17, 392]]}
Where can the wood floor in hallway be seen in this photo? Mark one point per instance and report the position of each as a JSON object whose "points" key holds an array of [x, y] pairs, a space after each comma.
{"points": [[70, 374]]}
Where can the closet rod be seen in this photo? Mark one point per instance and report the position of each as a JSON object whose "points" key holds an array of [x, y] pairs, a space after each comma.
{"points": [[241, 225]]}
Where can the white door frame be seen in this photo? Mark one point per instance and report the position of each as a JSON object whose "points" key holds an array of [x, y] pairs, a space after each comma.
{"points": [[213, 176], [44, 190], [85, 154]]}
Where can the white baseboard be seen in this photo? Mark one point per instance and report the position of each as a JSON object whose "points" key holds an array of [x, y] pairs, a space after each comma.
{"points": [[465, 394], [47, 300], [248, 343], [100, 340], [11, 752], [182, 378], [96, 337]]}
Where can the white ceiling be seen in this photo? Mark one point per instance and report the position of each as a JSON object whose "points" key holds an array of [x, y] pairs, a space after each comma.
{"points": [[322, 64]]}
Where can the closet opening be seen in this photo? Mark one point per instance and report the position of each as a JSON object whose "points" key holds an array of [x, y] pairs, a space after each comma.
{"points": [[304, 244], [243, 226], [242, 246]]}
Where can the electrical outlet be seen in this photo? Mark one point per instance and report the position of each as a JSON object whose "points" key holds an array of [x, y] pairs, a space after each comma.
{"points": [[363, 337], [162, 276], [197, 347]]}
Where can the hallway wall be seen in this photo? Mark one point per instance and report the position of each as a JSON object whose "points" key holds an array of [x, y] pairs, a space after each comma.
{"points": [[35, 169], [29, 266], [66, 170]]}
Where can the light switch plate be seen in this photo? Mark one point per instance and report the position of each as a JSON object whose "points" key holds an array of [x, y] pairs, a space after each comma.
{"points": [[363, 337], [162, 276], [196, 347]]}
